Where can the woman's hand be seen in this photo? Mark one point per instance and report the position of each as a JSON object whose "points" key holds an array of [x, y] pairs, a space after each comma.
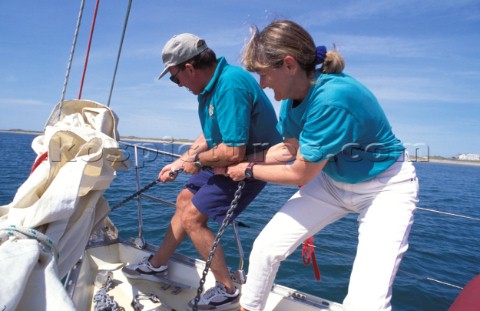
{"points": [[237, 172]]}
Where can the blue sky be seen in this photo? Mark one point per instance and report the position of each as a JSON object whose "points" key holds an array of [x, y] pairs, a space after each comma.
{"points": [[420, 58]]}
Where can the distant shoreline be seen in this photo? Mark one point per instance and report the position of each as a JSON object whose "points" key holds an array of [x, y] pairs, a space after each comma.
{"points": [[125, 138], [448, 161], [156, 140], [21, 132], [173, 141]]}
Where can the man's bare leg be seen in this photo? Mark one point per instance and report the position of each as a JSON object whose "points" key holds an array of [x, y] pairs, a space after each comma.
{"points": [[188, 220], [195, 223], [175, 233]]}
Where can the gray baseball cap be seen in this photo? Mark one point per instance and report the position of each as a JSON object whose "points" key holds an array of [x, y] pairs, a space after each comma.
{"points": [[181, 48]]}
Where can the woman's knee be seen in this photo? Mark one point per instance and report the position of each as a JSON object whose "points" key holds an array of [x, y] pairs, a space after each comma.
{"points": [[267, 250]]}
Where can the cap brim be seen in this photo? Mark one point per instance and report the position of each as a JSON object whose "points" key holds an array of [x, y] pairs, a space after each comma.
{"points": [[164, 72]]}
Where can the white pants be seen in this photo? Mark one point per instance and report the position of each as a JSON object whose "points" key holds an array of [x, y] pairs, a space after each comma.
{"points": [[385, 206]]}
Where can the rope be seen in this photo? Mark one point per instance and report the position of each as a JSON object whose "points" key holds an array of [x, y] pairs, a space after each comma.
{"points": [[444, 283], [28, 233], [225, 223], [88, 48], [72, 52], [449, 214], [308, 256], [119, 51]]}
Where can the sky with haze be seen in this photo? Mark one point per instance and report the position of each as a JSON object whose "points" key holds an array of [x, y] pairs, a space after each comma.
{"points": [[420, 59]]}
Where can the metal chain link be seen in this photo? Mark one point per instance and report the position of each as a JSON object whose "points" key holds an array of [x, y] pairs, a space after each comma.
{"points": [[137, 306], [103, 301], [226, 221]]}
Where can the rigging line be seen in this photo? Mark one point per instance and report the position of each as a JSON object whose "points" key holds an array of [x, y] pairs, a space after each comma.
{"points": [[422, 277], [447, 213], [444, 283], [88, 48], [119, 51], [333, 252], [349, 257], [417, 276], [72, 52]]}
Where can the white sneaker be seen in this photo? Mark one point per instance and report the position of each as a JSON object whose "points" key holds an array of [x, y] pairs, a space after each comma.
{"points": [[217, 298], [145, 270]]}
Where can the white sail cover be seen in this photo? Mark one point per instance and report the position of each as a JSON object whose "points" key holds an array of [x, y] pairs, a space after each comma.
{"points": [[46, 227]]}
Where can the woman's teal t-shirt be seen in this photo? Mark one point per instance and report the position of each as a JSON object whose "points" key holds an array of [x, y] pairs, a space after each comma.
{"points": [[341, 120]]}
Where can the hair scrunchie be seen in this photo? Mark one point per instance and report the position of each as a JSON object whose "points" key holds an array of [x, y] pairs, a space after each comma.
{"points": [[321, 52]]}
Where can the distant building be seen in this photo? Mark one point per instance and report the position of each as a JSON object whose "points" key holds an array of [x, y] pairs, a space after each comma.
{"points": [[468, 157]]}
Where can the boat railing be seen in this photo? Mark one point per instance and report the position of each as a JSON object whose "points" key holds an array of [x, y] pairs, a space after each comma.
{"points": [[239, 275]]}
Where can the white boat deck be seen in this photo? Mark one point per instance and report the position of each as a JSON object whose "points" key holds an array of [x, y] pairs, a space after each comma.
{"points": [[183, 270]]}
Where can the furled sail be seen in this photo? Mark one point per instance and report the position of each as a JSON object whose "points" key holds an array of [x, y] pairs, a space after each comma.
{"points": [[46, 227]]}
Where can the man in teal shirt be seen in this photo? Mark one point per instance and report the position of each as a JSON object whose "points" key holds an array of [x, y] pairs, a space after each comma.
{"points": [[237, 120]]}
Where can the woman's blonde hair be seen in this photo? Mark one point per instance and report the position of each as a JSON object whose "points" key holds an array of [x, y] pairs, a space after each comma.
{"points": [[268, 48]]}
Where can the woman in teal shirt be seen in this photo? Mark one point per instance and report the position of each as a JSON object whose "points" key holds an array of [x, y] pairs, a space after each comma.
{"points": [[339, 145]]}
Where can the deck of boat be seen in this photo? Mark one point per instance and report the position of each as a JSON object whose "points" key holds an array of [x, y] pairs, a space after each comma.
{"points": [[182, 270]]}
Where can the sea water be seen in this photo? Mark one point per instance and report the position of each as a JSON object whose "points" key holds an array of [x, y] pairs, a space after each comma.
{"points": [[444, 252]]}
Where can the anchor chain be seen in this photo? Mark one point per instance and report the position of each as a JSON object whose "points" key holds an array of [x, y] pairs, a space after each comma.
{"points": [[105, 302], [131, 197], [226, 221]]}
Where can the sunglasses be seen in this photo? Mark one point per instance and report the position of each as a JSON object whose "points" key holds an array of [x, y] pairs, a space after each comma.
{"points": [[174, 78]]}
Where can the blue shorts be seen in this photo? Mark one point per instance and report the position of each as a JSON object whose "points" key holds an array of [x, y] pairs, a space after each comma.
{"points": [[213, 194]]}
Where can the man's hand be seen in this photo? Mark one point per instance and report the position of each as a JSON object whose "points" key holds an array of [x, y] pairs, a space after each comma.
{"points": [[169, 172], [190, 168]]}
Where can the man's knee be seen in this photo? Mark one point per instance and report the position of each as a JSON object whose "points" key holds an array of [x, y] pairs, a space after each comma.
{"points": [[184, 198], [192, 218]]}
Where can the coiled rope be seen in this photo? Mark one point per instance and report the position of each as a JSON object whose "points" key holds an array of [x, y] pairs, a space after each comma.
{"points": [[28, 233]]}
